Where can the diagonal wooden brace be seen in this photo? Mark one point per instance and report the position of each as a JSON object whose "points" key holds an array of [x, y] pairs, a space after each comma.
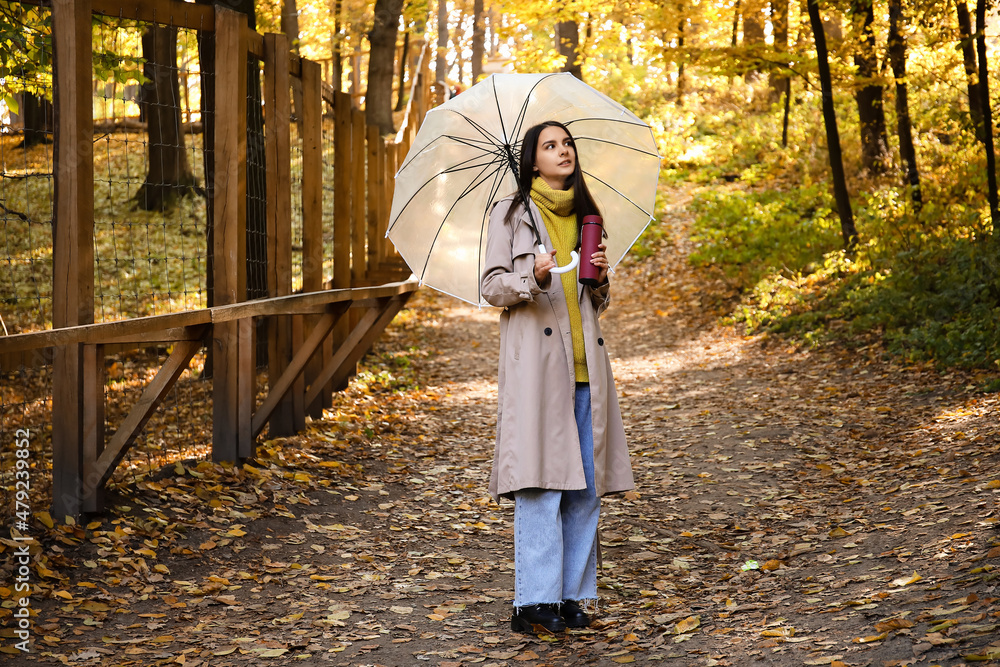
{"points": [[357, 343], [283, 384], [98, 471]]}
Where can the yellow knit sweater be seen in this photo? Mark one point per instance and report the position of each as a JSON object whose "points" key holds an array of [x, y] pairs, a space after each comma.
{"points": [[556, 207]]}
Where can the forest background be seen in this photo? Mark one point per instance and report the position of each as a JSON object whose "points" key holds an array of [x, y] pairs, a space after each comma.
{"points": [[844, 186]]}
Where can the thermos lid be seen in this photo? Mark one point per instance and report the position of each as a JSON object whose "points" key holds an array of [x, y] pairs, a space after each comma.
{"points": [[593, 220]]}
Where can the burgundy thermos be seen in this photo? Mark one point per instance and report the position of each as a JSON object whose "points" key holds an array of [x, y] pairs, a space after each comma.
{"points": [[591, 235]]}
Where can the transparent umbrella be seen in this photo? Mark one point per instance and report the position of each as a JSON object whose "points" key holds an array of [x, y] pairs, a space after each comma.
{"points": [[465, 157]]}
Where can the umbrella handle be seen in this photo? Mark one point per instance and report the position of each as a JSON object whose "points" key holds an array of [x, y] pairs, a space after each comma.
{"points": [[574, 259]]}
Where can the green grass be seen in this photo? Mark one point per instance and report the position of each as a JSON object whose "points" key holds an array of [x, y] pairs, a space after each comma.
{"points": [[924, 285]]}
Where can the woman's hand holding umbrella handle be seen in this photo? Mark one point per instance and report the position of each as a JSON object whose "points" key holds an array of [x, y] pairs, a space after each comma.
{"points": [[574, 259]]}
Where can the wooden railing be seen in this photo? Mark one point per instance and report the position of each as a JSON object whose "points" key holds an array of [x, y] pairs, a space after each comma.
{"points": [[315, 338]]}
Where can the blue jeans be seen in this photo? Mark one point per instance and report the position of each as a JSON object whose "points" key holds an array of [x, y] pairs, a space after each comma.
{"points": [[555, 532]]}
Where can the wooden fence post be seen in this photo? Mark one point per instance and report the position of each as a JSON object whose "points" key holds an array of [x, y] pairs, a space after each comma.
{"points": [[229, 246], [277, 130], [312, 205], [92, 493], [374, 141], [343, 148], [359, 259], [392, 160], [72, 244]]}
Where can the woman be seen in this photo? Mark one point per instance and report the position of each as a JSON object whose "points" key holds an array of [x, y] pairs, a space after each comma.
{"points": [[560, 439]]}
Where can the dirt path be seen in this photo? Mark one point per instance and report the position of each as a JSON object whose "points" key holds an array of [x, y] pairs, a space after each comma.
{"points": [[865, 493]]}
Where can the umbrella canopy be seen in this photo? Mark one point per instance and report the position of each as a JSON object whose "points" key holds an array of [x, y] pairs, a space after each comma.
{"points": [[465, 157]]}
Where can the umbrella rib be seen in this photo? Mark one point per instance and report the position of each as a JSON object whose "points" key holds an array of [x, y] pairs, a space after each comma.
{"points": [[484, 146], [434, 143], [605, 119], [617, 192], [524, 105], [468, 189], [618, 144], [482, 232], [454, 169]]}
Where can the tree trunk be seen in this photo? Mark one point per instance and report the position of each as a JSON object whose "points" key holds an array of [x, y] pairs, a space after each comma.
{"points": [[735, 39], [568, 44], [336, 46], [971, 71], [404, 58], [871, 114], [984, 98], [753, 36], [897, 58], [681, 75], [440, 64], [737, 11], [847, 228], [494, 40], [37, 116], [788, 107], [169, 177], [382, 38], [457, 49], [779, 28], [478, 40], [356, 71], [290, 26]]}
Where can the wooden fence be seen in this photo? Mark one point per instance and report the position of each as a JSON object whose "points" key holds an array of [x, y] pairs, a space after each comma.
{"points": [[314, 338]]}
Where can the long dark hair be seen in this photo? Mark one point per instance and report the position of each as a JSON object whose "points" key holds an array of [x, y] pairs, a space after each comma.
{"points": [[583, 201]]}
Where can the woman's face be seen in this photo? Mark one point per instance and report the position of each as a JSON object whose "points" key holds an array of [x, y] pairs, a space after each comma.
{"points": [[555, 157]]}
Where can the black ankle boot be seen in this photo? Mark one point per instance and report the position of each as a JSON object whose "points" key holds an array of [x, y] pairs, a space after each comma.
{"points": [[574, 616], [544, 615]]}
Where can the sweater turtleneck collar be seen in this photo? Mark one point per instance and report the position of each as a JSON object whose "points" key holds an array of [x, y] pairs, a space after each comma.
{"points": [[559, 202]]}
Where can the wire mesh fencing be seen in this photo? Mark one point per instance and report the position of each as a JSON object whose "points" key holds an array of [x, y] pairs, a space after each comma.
{"points": [[150, 222]]}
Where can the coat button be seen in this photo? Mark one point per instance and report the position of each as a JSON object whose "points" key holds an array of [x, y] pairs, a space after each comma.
{"points": [[600, 341], [548, 331]]}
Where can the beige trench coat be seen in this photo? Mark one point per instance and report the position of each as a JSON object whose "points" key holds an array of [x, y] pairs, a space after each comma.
{"points": [[537, 443]]}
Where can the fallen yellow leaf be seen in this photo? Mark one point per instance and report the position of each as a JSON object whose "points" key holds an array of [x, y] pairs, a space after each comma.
{"points": [[906, 581], [779, 632], [893, 624], [273, 653], [689, 624]]}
